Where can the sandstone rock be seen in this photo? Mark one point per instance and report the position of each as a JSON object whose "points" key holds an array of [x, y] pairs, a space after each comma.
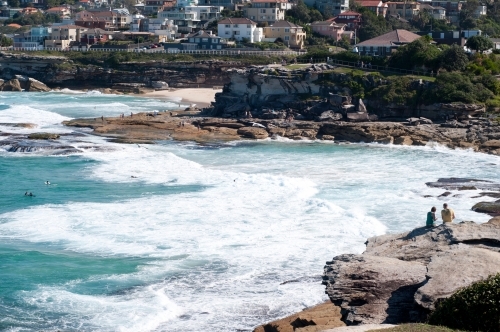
{"points": [[491, 208], [361, 107], [327, 137], [357, 117], [329, 116], [317, 318], [33, 85], [12, 85], [403, 140], [491, 144], [373, 289], [43, 136], [253, 132], [385, 140], [454, 269]]}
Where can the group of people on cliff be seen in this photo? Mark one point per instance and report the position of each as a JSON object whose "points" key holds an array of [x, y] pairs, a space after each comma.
{"points": [[447, 214]]}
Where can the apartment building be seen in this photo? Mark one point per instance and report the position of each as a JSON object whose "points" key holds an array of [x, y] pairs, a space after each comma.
{"points": [[240, 29], [268, 11], [291, 34]]}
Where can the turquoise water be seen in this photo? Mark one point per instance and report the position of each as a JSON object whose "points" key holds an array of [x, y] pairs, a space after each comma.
{"points": [[181, 237]]}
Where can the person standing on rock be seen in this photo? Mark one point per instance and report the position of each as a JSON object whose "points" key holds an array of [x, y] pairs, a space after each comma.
{"points": [[447, 214], [431, 217]]}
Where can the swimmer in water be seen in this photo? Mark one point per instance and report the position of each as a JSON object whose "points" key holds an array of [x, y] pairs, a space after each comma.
{"points": [[47, 183]]}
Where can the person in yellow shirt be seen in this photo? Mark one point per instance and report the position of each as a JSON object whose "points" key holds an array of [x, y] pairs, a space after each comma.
{"points": [[447, 214]]}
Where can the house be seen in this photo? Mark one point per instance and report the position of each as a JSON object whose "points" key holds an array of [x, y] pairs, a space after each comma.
{"points": [[163, 28], [445, 37], [113, 19], [227, 4], [94, 36], [240, 29], [376, 6], [352, 20], [332, 7], [33, 39], [61, 11], [10, 12], [33, 3], [438, 13], [452, 8], [329, 29], [385, 44], [496, 43], [190, 18], [205, 40], [155, 6], [406, 9], [63, 35], [94, 23], [291, 34], [187, 3], [268, 11]]}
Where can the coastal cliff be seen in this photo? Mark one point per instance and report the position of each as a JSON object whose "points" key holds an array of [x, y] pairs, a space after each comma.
{"points": [[58, 71]]}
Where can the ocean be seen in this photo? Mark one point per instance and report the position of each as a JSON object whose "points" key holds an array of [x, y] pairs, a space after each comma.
{"points": [[179, 236]]}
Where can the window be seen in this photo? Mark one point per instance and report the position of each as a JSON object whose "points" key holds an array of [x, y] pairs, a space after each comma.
{"points": [[227, 26], [197, 40], [235, 25], [287, 30], [287, 37], [227, 32], [262, 11], [204, 40], [249, 26]]}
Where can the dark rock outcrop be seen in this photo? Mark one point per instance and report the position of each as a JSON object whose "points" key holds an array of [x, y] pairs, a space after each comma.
{"points": [[400, 277]]}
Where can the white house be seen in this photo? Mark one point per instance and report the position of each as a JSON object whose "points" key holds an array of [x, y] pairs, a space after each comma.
{"points": [[239, 29]]}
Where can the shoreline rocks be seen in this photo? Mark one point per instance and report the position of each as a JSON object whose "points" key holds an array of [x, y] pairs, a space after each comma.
{"points": [[400, 277]]}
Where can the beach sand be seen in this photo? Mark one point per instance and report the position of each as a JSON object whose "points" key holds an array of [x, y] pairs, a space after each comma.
{"points": [[202, 97]]}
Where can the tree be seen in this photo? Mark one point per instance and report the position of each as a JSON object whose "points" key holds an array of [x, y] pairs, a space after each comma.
{"points": [[344, 42], [418, 53], [479, 43], [454, 58], [4, 41], [467, 14], [299, 13]]}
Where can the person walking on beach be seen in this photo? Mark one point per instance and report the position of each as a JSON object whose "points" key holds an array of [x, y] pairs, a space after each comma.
{"points": [[431, 217], [447, 214]]}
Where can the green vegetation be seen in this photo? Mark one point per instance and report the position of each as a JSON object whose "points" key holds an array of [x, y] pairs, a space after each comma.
{"points": [[4, 41], [473, 308], [417, 328], [479, 43], [34, 19]]}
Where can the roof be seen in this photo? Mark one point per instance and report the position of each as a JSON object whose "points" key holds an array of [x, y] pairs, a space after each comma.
{"points": [[394, 37], [237, 20], [69, 26], [56, 9], [99, 31], [328, 23], [284, 24], [274, 1], [370, 3], [350, 13], [14, 25], [202, 34]]}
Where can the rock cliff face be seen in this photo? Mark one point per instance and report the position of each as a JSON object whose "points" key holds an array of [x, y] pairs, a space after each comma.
{"points": [[59, 71], [401, 277]]}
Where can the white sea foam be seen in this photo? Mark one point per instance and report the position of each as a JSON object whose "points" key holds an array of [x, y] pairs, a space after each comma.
{"points": [[44, 120]]}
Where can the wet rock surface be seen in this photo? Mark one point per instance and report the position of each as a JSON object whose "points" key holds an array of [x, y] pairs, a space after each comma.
{"points": [[412, 270]]}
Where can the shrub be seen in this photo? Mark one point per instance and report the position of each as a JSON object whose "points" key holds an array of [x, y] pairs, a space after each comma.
{"points": [[473, 308]]}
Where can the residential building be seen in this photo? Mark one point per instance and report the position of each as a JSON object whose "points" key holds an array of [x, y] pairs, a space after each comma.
{"points": [[376, 6], [94, 36], [240, 29], [352, 20], [155, 6], [445, 37], [452, 8], [438, 13], [114, 20], [205, 40], [10, 12], [268, 11], [329, 29], [94, 23], [63, 11], [332, 7], [227, 4], [163, 28], [405, 10], [187, 3], [34, 3], [30, 11], [62, 36], [385, 44], [191, 17], [291, 34], [32, 39]]}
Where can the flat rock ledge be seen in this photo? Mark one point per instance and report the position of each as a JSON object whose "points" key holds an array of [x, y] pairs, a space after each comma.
{"points": [[401, 277]]}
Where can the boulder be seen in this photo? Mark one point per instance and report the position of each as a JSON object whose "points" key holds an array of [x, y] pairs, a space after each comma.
{"points": [[403, 140], [373, 289], [357, 117], [12, 85], [361, 107], [33, 85], [385, 140], [329, 116], [491, 208], [253, 132], [327, 138], [43, 136]]}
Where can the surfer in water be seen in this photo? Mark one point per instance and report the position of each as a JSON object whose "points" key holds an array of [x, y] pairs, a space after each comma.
{"points": [[47, 183]]}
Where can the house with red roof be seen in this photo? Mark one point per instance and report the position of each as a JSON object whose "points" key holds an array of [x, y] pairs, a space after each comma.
{"points": [[385, 44], [376, 6], [62, 11], [351, 19]]}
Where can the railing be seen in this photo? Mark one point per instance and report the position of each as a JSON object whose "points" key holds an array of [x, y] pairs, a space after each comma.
{"points": [[159, 50], [366, 66]]}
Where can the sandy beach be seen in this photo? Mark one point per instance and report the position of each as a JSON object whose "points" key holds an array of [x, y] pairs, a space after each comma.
{"points": [[202, 97]]}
